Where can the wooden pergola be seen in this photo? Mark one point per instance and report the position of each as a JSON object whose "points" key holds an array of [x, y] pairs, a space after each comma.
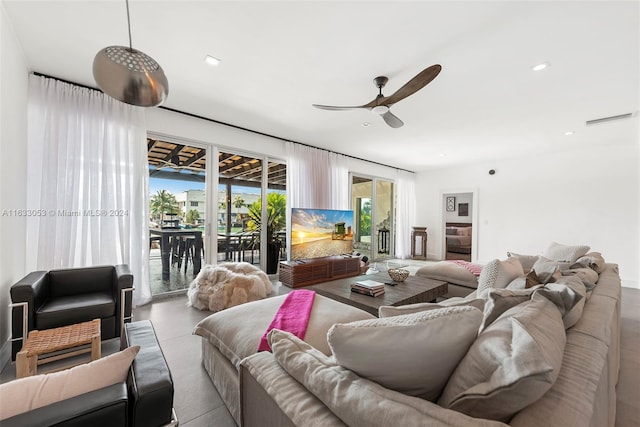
{"points": [[170, 160]]}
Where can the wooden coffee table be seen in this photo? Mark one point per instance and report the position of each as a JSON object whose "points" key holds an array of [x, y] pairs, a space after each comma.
{"points": [[46, 341], [413, 290]]}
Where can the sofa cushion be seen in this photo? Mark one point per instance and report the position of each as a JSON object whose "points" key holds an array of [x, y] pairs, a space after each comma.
{"points": [[413, 354], [67, 310], [88, 279], [390, 310], [511, 364], [498, 274], [448, 272], [236, 331], [28, 393], [565, 253], [355, 400]]}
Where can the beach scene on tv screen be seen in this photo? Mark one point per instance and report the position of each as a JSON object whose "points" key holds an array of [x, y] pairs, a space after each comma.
{"points": [[320, 232]]}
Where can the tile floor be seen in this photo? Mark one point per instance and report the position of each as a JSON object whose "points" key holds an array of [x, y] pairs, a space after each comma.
{"points": [[198, 404]]}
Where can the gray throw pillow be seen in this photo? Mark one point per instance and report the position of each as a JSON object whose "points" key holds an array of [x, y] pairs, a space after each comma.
{"points": [[510, 365]]}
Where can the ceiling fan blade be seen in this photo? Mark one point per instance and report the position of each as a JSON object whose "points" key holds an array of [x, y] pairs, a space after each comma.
{"points": [[333, 108], [392, 120], [412, 86]]}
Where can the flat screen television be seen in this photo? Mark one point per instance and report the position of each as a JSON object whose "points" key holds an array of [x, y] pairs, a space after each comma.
{"points": [[319, 233]]}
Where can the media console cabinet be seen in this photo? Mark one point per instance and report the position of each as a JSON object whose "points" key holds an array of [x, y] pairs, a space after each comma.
{"points": [[311, 271]]}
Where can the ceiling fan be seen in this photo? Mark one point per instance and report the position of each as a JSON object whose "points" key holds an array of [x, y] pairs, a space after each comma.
{"points": [[382, 103]]}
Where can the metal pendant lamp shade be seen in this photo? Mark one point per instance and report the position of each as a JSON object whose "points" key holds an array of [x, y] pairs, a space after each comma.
{"points": [[129, 75]]}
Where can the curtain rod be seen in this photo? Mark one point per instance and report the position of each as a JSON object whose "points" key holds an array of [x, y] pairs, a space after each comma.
{"points": [[196, 116]]}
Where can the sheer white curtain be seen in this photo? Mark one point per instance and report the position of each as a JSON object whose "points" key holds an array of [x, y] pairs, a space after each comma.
{"points": [[316, 179], [87, 177], [405, 212]]}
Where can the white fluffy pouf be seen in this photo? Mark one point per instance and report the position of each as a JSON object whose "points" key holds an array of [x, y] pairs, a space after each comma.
{"points": [[224, 285]]}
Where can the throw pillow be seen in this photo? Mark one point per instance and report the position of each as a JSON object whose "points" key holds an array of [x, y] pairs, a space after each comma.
{"points": [[565, 253], [25, 394], [588, 276], [499, 301], [510, 365], [355, 400], [414, 354], [451, 231], [498, 274], [525, 282], [390, 311], [568, 295], [593, 260], [548, 270], [527, 261]]}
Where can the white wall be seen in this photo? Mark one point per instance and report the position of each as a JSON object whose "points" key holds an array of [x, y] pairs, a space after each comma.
{"points": [[455, 215], [580, 197], [13, 161], [168, 123]]}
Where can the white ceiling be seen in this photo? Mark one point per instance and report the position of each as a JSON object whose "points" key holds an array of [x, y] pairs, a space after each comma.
{"points": [[278, 58]]}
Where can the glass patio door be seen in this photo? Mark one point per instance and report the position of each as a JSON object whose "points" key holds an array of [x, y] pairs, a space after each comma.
{"points": [[177, 207], [372, 200]]}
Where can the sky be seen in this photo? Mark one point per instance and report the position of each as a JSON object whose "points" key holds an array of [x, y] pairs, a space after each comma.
{"points": [[175, 186]]}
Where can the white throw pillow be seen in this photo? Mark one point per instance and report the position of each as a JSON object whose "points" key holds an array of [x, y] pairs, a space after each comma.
{"points": [[498, 274], [414, 354], [565, 253], [25, 394], [390, 310], [510, 365]]}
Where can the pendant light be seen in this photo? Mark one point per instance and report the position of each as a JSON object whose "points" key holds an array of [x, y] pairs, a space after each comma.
{"points": [[129, 75]]}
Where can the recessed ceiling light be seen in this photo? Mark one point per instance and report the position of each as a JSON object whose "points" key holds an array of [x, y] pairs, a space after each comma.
{"points": [[211, 60], [540, 67], [569, 133], [366, 124]]}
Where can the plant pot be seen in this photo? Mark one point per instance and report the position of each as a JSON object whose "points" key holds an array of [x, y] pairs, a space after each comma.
{"points": [[273, 257]]}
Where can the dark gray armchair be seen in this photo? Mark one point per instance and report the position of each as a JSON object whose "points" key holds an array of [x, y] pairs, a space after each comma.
{"points": [[63, 297]]}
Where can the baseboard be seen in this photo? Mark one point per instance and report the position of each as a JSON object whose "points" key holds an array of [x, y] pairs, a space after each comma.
{"points": [[5, 354]]}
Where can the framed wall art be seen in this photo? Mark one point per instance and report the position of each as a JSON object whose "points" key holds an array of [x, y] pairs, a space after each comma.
{"points": [[451, 204], [463, 209]]}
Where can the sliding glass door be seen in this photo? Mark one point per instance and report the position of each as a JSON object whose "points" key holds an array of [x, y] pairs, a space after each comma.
{"points": [[177, 206], [372, 200], [196, 206]]}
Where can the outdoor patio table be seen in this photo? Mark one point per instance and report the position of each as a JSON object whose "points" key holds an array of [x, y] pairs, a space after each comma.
{"points": [[165, 247]]}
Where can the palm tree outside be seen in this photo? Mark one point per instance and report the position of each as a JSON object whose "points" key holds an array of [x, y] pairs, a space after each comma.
{"points": [[163, 203]]}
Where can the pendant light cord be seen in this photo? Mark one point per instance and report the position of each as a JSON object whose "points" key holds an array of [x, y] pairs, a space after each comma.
{"points": [[129, 25]]}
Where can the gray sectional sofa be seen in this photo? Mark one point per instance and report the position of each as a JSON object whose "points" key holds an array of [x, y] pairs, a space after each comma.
{"points": [[303, 387]]}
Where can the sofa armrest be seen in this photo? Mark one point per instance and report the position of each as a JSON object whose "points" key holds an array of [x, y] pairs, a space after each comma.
{"points": [[149, 382], [269, 397], [347, 397], [32, 289], [100, 408], [123, 280]]}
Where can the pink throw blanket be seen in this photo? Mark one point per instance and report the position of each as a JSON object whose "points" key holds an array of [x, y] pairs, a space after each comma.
{"points": [[292, 316], [476, 269]]}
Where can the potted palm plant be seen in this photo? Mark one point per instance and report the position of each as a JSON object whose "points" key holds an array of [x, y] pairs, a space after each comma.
{"points": [[275, 221]]}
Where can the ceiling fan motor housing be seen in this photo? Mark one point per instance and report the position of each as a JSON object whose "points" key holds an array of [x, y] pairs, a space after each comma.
{"points": [[380, 81]]}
